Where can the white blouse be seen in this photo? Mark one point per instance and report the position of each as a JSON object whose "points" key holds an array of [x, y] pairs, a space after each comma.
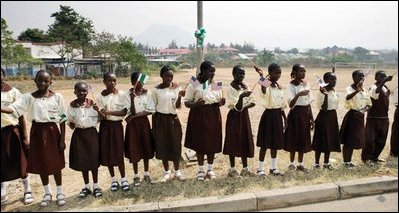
{"points": [[142, 103], [165, 99], [7, 98], [41, 110], [372, 92], [113, 102], [333, 100], [395, 97], [83, 117], [359, 101], [292, 90], [273, 98], [234, 95], [208, 95]]}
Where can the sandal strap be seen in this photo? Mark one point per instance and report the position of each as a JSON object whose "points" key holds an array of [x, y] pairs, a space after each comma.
{"points": [[47, 197], [60, 194]]}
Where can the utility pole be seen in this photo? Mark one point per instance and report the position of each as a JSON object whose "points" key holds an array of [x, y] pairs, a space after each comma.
{"points": [[200, 49]]}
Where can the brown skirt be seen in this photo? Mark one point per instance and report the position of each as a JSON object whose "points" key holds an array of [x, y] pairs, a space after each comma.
{"points": [[204, 129], [271, 130], [138, 140], [44, 156], [394, 134], [352, 133], [167, 133], [239, 139], [84, 152], [13, 156], [326, 134], [111, 143], [297, 136]]}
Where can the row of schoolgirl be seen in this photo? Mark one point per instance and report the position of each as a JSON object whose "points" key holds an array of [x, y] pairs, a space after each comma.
{"points": [[90, 149]]}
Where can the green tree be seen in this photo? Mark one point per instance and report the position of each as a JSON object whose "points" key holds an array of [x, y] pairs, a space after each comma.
{"points": [[173, 45], [104, 45], [33, 35], [127, 56], [265, 57], [361, 54]]}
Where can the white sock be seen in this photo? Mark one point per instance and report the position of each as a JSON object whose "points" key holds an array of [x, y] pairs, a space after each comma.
{"points": [[123, 179], [137, 175], [26, 183], [232, 168], [292, 163], [273, 163], [3, 189], [113, 179], [201, 168], [261, 165], [300, 163], [47, 189], [210, 167], [146, 173], [167, 172], [87, 186], [95, 185], [325, 164], [59, 190], [177, 172]]}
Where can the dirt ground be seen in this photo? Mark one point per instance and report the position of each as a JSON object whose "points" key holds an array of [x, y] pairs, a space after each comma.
{"points": [[73, 181]]}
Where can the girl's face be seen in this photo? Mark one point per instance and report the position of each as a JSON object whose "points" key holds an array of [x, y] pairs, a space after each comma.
{"points": [[43, 81], [110, 82], [274, 75], [210, 73], [239, 75], [331, 80], [81, 91], [138, 84], [358, 77], [380, 76], [167, 77], [301, 73]]}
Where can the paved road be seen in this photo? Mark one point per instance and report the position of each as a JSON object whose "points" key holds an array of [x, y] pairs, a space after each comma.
{"points": [[374, 203]]}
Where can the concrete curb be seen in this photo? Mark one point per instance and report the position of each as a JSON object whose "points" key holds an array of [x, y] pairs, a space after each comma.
{"points": [[269, 199]]}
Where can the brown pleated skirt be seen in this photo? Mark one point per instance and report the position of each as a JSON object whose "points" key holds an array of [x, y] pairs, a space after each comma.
{"points": [[44, 156], [271, 130], [138, 140], [167, 133], [297, 136], [204, 129], [13, 156], [326, 134], [394, 134], [111, 143], [239, 139], [352, 133], [84, 152]]}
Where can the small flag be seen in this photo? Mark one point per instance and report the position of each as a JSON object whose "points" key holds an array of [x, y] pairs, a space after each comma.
{"points": [[143, 78], [320, 82], [366, 73], [205, 85], [194, 82], [216, 85], [242, 56], [264, 82]]}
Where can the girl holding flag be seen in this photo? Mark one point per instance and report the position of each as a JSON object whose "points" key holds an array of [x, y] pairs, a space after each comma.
{"points": [[238, 141], [204, 125]]}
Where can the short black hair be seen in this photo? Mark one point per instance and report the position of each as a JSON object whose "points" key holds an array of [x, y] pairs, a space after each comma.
{"points": [[107, 74], [80, 83], [295, 70], [237, 68], [273, 67], [164, 69], [43, 71], [134, 76]]}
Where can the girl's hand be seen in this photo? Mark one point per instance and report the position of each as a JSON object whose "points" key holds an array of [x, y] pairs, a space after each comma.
{"points": [[303, 93], [258, 70], [182, 93], [95, 107], [323, 90], [359, 85], [26, 144], [200, 102], [312, 124], [222, 102], [245, 94], [71, 125], [103, 111], [61, 144]]}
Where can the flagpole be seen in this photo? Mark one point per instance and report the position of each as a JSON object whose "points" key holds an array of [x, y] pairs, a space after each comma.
{"points": [[254, 87]]}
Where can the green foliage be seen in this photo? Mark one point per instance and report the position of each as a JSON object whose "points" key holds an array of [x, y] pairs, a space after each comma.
{"points": [[265, 57], [33, 35]]}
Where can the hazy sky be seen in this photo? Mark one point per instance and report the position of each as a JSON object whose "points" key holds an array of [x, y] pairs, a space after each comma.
{"points": [[373, 25]]}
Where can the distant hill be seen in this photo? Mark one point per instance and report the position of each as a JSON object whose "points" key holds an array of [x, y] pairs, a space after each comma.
{"points": [[162, 35]]}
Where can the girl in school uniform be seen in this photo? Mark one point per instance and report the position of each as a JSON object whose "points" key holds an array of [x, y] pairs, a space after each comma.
{"points": [[394, 131], [300, 118], [166, 125], [271, 125], [113, 105], [138, 141], [204, 125], [326, 134], [239, 140], [14, 144], [84, 154], [45, 109], [352, 132]]}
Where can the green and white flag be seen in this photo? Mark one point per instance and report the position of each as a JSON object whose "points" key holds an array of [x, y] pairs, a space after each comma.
{"points": [[205, 85], [143, 78]]}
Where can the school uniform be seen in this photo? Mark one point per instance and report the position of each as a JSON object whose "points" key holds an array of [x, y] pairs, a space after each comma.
{"points": [[167, 130], [297, 136], [138, 140], [204, 125], [239, 139], [394, 130], [352, 132], [377, 124], [84, 152], [111, 128], [44, 112], [271, 126], [326, 134], [13, 154]]}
